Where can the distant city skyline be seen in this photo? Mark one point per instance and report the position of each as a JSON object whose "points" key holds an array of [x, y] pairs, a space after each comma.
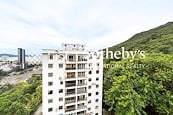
{"points": [[35, 25]]}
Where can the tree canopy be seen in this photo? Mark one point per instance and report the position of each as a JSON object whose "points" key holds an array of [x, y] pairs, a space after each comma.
{"points": [[144, 90], [21, 99]]}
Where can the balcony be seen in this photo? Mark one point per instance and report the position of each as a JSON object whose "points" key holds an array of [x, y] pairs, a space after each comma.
{"points": [[70, 75], [81, 106], [81, 99], [70, 100], [70, 92], [81, 75], [70, 83], [71, 58], [81, 66], [82, 113], [70, 108], [81, 90], [82, 58], [81, 84], [70, 66]]}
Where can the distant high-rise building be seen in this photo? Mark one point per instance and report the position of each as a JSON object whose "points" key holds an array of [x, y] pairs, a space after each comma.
{"points": [[72, 81], [21, 57]]}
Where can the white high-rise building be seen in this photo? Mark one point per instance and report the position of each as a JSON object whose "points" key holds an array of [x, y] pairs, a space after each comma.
{"points": [[72, 81]]}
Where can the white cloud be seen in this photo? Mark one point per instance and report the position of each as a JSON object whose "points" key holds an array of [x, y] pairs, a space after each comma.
{"points": [[46, 24]]}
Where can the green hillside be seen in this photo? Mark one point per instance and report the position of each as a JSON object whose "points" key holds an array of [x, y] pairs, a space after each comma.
{"points": [[131, 89], [9, 55], [159, 39]]}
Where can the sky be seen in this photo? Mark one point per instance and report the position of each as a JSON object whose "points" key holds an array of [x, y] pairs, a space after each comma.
{"points": [[46, 24]]}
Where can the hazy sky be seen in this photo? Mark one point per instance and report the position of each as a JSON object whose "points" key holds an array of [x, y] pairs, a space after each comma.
{"points": [[41, 24]]}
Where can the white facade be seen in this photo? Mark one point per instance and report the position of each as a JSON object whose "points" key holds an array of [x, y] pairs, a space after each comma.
{"points": [[72, 81]]}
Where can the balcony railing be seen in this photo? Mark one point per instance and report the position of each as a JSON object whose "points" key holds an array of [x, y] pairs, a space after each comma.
{"points": [[72, 60], [83, 114], [70, 68], [70, 93], [70, 101], [81, 68], [81, 84], [81, 91], [70, 77], [69, 109], [82, 99], [82, 59], [81, 107], [70, 84], [81, 76]]}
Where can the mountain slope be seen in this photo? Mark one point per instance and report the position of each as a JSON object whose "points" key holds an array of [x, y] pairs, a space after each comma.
{"points": [[159, 39], [9, 55]]}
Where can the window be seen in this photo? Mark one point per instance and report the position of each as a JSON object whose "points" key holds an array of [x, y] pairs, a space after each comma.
{"points": [[60, 99], [90, 57], [96, 114], [97, 79], [61, 91], [81, 66], [89, 101], [71, 58], [50, 109], [60, 107], [97, 93], [96, 107], [98, 57], [50, 100], [90, 72], [50, 74], [97, 71], [50, 83], [61, 57], [97, 64], [50, 65], [89, 87], [51, 57], [89, 109], [89, 79], [97, 100], [97, 86], [81, 74], [89, 94], [61, 82], [60, 65], [50, 92]]}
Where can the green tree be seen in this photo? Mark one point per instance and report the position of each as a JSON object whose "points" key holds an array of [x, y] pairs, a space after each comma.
{"points": [[141, 91], [23, 99]]}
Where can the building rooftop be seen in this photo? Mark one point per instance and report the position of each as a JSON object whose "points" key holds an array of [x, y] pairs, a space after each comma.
{"points": [[66, 47], [73, 47]]}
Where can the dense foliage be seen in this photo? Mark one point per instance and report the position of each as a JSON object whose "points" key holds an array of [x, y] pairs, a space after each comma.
{"points": [[6, 87], [134, 90], [23, 99], [3, 73], [156, 40]]}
